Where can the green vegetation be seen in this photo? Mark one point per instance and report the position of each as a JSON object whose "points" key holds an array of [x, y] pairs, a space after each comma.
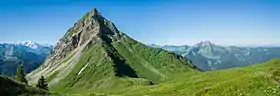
{"points": [[52, 76], [20, 76], [10, 87], [94, 56], [42, 83], [154, 64], [257, 80]]}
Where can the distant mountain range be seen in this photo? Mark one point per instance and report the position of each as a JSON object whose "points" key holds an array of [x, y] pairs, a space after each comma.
{"points": [[30, 53], [209, 56]]}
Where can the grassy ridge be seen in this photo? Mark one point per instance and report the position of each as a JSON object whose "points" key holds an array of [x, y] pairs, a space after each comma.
{"points": [[154, 64]]}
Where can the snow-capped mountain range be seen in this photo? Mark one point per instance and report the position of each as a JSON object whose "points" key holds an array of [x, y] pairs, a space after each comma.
{"points": [[31, 54], [29, 43]]}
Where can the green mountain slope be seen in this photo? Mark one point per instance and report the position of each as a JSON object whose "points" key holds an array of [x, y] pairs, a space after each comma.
{"points": [[257, 80], [95, 55], [9, 87]]}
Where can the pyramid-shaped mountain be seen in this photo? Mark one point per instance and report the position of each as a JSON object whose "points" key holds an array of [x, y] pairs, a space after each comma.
{"points": [[94, 54]]}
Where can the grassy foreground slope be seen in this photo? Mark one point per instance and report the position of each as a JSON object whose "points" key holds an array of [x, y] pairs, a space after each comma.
{"points": [[10, 87], [257, 80]]}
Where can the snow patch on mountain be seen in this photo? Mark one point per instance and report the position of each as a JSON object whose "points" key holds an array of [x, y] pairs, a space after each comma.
{"points": [[33, 44]]}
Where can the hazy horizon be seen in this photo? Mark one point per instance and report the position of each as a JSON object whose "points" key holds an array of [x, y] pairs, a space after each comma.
{"points": [[259, 45], [229, 23]]}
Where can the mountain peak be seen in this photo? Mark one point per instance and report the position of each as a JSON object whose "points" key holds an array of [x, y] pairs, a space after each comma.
{"points": [[30, 44], [94, 11], [33, 44], [93, 24], [206, 43]]}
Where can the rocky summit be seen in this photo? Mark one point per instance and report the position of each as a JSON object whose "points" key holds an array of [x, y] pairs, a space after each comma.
{"points": [[94, 54]]}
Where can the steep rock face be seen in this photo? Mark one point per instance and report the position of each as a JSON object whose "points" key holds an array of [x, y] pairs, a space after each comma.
{"points": [[86, 30], [95, 54]]}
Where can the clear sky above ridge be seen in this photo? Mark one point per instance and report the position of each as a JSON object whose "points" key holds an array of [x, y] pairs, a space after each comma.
{"points": [[175, 22]]}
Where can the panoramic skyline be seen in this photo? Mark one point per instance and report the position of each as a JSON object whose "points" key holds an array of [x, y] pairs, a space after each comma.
{"points": [[177, 22]]}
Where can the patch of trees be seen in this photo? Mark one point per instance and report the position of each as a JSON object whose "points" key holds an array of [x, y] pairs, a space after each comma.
{"points": [[20, 77]]}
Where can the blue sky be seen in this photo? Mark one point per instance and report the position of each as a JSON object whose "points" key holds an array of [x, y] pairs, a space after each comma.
{"points": [[173, 22]]}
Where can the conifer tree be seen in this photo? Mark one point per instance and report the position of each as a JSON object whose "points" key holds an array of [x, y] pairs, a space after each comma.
{"points": [[42, 83], [20, 76]]}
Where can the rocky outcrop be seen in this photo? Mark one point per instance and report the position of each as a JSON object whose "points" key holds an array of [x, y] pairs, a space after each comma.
{"points": [[91, 28]]}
